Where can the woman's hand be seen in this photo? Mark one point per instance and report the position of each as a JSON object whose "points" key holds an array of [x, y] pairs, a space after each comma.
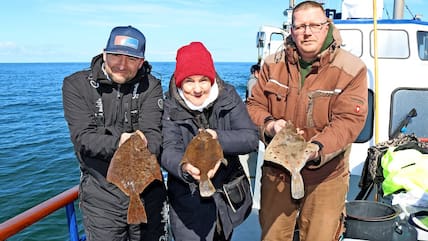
{"points": [[213, 171], [196, 173], [192, 170]]}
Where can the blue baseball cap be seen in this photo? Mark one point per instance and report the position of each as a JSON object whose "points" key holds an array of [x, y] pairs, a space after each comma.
{"points": [[126, 40]]}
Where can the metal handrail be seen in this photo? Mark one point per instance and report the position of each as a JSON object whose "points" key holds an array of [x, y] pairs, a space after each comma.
{"points": [[65, 199]]}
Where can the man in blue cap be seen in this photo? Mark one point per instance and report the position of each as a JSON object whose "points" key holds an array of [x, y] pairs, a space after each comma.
{"points": [[103, 107]]}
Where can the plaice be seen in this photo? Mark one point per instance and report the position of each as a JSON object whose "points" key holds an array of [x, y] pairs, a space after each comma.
{"points": [[290, 150], [203, 152], [132, 169]]}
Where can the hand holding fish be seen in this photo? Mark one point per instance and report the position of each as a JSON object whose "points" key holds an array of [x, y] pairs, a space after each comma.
{"points": [[132, 168], [125, 136], [315, 153], [202, 159], [212, 132], [313, 160], [289, 149], [275, 126], [191, 170], [195, 172], [213, 171]]}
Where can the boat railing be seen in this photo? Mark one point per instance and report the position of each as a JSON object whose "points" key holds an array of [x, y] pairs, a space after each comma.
{"points": [[65, 199]]}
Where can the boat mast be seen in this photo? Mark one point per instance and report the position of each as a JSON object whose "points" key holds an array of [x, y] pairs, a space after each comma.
{"points": [[398, 9], [288, 13]]}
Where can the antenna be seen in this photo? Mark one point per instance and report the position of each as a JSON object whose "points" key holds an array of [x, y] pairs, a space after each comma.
{"points": [[411, 14]]}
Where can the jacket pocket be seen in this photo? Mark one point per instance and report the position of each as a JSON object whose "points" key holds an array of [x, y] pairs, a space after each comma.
{"points": [[277, 95], [319, 109]]}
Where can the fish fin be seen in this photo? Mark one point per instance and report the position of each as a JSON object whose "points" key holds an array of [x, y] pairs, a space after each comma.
{"points": [[297, 186], [136, 211], [206, 188]]}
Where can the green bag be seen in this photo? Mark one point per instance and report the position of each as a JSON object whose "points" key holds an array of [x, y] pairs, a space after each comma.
{"points": [[404, 169]]}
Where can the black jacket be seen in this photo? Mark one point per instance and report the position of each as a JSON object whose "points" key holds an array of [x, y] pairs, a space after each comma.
{"points": [[237, 135], [95, 143]]}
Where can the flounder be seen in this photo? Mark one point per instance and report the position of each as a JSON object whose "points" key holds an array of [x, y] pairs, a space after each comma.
{"points": [[132, 168], [290, 150], [203, 152]]}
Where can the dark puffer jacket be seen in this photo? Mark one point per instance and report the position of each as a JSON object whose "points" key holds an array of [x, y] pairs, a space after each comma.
{"points": [[96, 144], [190, 214]]}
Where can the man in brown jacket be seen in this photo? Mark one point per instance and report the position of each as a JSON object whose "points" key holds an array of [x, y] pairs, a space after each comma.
{"points": [[322, 90]]}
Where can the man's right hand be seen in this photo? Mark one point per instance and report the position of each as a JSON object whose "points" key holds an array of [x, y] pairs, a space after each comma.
{"points": [[141, 134], [125, 136], [274, 127]]}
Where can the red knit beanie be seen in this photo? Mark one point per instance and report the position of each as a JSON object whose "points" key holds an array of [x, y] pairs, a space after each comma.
{"points": [[193, 59]]}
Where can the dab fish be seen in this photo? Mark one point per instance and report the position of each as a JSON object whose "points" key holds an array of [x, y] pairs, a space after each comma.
{"points": [[290, 150], [203, 152], [132, 169]]}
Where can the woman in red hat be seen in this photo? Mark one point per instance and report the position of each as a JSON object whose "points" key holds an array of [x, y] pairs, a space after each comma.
{"points": [[199, 99]]}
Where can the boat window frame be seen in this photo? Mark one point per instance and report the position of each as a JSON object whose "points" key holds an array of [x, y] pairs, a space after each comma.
{"points": [[261, 38], [382, 47], [422, 42], [361, 47]]}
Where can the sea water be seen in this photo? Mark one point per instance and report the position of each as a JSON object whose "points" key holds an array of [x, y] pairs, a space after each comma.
{"points": [[37, 160]]}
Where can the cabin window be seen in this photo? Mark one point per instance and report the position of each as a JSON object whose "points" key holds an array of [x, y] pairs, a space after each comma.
{"points": [[391, 44], [423, 45], [276, 42], [277, 37], [260, 39], [352, 40]]}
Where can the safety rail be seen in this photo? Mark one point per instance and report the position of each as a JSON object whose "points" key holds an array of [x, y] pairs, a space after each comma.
{"points": [[65, 199]]}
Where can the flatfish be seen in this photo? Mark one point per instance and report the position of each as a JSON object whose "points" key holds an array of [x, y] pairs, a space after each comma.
{"points": [[290, 150], [203, 152], [132, 168]]}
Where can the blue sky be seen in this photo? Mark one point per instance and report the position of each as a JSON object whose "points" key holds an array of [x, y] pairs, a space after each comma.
{"points": [[74, 31]]}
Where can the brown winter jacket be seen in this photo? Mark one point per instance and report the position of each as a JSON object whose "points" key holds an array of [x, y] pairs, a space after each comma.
{"points": [[330, 107]]}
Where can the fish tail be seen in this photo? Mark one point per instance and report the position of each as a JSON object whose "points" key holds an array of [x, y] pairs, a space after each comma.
{"points": [[206, 188], [297, 186], [136, 211]]}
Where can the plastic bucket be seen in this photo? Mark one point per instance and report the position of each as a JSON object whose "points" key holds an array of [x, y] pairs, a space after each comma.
{"points": [[370, 220]]}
